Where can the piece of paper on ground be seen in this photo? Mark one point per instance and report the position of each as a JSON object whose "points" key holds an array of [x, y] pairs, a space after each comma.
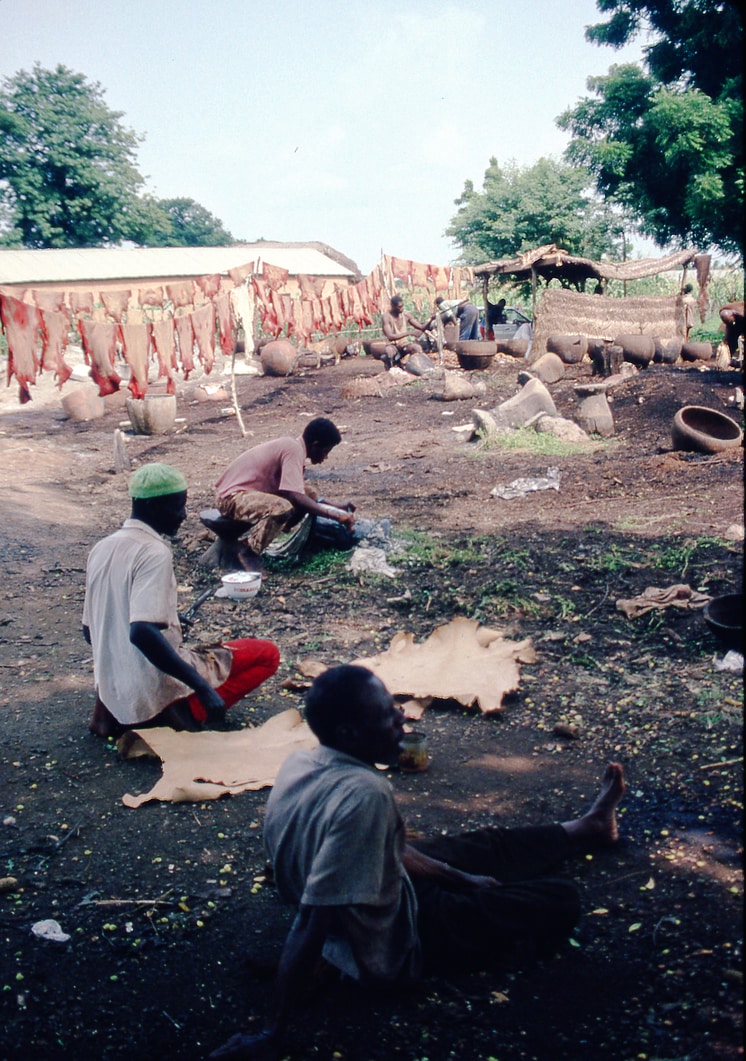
{"points": [[202, 766], [459, 661]]}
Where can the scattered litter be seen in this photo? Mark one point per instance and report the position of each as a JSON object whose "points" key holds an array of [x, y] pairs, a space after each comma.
{"points": [[521, 487], [657, 597], [731, 661], [372, 559], [50, 930]]}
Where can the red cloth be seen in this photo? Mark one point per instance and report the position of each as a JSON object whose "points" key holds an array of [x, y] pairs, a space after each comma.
{"points": [[239, 274], [55, 328], [81, 301], [21, 322], [254, 660], [420, 274], [99, 340], [208, 285], [225, 323], [311, 286], [275, 276], [115, 302], [181, 294], [440, 276], [203, 322], [136, 348], [400, 269], [150, 296], [185, 335], [163, 341], [51, 301]]}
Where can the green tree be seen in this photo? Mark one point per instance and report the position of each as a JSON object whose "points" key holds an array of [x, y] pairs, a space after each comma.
{"points": [[522, 208], [179, 223], [666, 140], [67, 165]]}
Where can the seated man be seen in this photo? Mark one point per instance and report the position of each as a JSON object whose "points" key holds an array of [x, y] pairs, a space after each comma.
{"points": [[462, 310], [398, 325], [264, 486], [382, 910], [144, 674]]}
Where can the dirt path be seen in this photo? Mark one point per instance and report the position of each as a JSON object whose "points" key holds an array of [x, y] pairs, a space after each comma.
{"points": [[654, 970]]}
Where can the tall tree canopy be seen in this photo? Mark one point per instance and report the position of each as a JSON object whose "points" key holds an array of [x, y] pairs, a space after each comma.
{"points": [[67, 165], [69, 177], [666, 140], [180, 223], [523, 208]]}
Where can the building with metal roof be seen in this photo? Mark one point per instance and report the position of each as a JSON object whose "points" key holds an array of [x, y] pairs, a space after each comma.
{"points": [[71, 267]]}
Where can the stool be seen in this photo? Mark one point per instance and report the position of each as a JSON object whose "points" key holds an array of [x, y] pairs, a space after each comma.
{"points": [[228, 551]]}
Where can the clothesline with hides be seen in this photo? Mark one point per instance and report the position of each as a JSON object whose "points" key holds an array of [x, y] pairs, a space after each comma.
{"points": [[179, 322]]}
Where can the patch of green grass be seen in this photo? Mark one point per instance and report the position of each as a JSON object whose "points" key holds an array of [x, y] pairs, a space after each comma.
{"points": [[320, 562], [540, 443]]}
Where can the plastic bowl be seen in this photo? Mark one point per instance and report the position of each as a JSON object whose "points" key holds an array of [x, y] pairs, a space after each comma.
{"points": [[724, 616], [240, 585]]}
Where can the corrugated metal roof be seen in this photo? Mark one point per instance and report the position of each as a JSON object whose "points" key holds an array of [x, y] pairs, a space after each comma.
{"points": [[73, 265]]}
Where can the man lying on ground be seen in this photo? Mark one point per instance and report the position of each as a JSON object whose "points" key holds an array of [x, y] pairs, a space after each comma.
{"points": [[144, 673], [381, 910], [264, 486]]}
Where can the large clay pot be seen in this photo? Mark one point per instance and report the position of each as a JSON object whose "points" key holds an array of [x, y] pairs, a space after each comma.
{"points": [[704, 430], [696, 351], [638, 349], [84, 403], [278, 357], [512, 347], [375, 347], [667, 351], [152, 415], [475, 353], [571, 348]]}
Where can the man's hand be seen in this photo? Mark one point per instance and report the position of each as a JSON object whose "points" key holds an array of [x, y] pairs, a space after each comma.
{"points": [[262, 1047], [211, 700]]}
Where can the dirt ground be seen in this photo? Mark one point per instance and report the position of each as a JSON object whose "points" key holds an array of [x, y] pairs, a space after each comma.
{"points": [[171, 922]]}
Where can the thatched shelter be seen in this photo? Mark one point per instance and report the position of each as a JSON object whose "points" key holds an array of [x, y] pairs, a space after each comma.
{"points": [[552, 263], [568, 312]]}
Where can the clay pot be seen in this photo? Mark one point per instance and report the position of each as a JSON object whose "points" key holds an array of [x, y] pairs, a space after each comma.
{"points": [[84, 403], [638, 349], [667, 351], [512, 347], [696, 351], [152, 415], [724, 616], [375, 347], [570, 348], [702, 430], [278, 357]]}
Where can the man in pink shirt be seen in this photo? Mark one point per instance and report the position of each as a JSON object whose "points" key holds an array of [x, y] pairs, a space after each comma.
{"points": [[264, 486]]}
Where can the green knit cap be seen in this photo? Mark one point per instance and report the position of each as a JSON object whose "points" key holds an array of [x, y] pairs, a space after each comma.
{"points": [[156, 480]]}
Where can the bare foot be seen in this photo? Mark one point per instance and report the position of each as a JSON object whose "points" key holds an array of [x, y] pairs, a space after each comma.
{"points": [[103, 723], [598, 828]]}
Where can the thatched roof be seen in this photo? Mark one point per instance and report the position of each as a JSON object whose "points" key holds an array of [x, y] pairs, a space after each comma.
{"points": [[551, 262]]}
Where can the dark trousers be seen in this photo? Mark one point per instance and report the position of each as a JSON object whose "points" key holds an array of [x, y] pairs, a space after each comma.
{"points": [[527, 917], [468, 318]]}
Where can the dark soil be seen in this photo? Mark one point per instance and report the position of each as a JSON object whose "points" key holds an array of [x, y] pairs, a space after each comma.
{"points": [[173, 925]]}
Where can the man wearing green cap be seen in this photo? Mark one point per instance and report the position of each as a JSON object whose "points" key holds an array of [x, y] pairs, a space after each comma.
{"points": [[143, 672]]}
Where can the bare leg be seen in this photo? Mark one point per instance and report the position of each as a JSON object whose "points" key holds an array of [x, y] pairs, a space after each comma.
{"points": [[103, 723], [598, 828]]}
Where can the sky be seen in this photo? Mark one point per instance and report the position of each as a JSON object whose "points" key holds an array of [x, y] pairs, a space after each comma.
{"points": [[352, 123]]}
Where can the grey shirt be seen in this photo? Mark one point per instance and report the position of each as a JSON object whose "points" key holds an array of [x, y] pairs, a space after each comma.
{"points": [[335, 838]]}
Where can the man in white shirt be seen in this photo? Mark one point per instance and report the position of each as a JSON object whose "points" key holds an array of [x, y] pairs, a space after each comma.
{"points": [[144, 673]]}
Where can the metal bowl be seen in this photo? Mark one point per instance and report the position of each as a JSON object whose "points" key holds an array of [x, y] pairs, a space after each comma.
{"points": [[724, 616]]}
